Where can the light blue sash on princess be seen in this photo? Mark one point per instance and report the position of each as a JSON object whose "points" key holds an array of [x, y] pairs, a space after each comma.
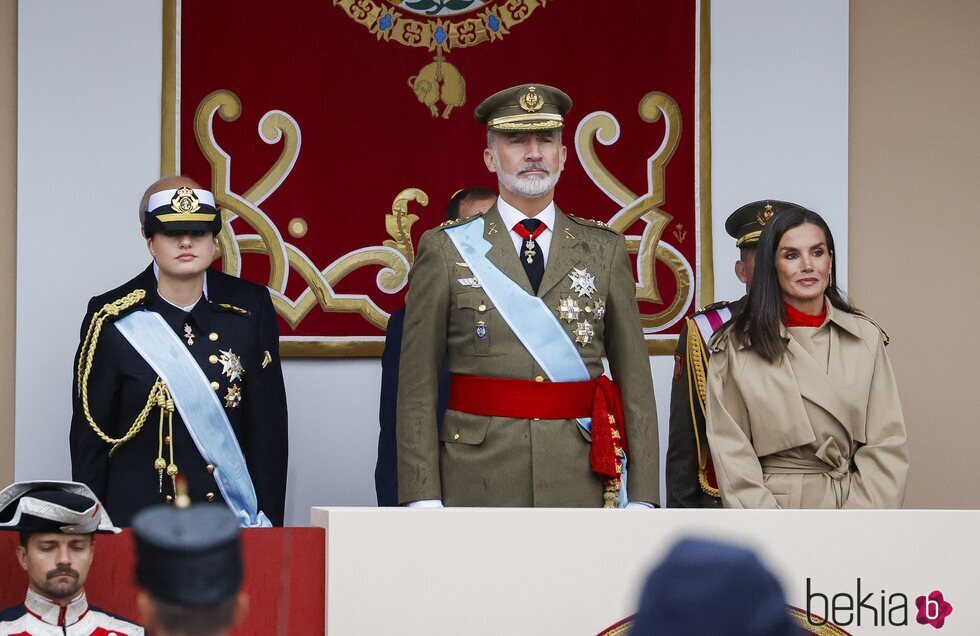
{"points": [[528, 317], [200, 409]]}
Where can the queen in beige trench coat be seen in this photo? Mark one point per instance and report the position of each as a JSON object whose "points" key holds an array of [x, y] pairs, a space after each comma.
{"points": [[803, 407]]}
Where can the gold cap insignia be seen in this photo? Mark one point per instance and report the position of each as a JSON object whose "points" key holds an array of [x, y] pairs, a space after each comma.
{"points": [[185, 201], [531, 101], [763, 215]]}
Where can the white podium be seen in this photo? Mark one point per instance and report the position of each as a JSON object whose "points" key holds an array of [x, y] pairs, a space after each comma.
{"points": [[567, 572]]}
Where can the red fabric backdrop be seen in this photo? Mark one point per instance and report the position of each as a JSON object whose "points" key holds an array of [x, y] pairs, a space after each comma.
{"points": [[344, 72]]}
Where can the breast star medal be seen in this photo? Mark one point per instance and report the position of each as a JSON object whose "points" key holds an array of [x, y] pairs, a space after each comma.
{"points": [[188, 335], [231, 365], [584, 333], [234, 397], [568, 309], [600, 308], [582, 282]]}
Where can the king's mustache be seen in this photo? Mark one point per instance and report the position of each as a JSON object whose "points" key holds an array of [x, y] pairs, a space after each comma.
{"points": [[528, 167]]}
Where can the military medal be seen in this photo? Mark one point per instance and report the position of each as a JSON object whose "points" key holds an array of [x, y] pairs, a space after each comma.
{"points": [[231, 365], [568, 309], [584, 333], [469, 282], [582, 282], [600, 308], [481, 330], [530, 246], [233, 397], [188, 335]]}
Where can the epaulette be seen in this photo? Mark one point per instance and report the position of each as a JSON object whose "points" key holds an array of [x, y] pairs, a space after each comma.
{"points": [[237, 310], [591, 222], [721, 304], [884, 334], [455, 222]]}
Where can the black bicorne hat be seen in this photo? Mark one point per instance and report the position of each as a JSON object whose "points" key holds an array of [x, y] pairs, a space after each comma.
{"points": [[53, 506]]}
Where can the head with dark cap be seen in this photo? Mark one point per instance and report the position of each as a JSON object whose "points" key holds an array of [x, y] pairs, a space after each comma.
{"points": [[470, 202], [524, 142], [745, 226], [180, 222], [712, 589], [56, 522], [189, 564]]}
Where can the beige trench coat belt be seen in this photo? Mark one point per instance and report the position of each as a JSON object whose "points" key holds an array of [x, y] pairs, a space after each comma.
{"points": [[840, 475]]}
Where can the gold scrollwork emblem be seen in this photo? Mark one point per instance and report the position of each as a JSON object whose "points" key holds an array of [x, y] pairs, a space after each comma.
{"points": [[185, 201], [648, 247], [531, 101], [395, 255]]}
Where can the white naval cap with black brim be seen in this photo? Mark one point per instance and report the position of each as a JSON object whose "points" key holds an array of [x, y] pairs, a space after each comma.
{"points": [[182, 210]]}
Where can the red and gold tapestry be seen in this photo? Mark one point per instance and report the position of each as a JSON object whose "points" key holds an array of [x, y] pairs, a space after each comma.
{"points": [[334, 132]]}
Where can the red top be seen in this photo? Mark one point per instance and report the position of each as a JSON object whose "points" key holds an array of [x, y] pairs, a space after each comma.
{"points": [[796, 318]]}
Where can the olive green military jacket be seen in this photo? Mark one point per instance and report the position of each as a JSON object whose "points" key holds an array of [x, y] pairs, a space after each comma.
{"points": [[478, 460], [820, 428]]}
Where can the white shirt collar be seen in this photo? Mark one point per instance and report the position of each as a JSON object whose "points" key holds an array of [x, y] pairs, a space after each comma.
{"points": [[512, 216], [49, 611], [156, 273]]}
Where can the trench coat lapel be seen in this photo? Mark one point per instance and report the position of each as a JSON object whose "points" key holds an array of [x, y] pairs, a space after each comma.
{"points": [[564, 253], [815, 385], [502, 253]]}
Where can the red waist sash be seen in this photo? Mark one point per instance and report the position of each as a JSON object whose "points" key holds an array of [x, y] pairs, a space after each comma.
{"points": [[527, 399]]}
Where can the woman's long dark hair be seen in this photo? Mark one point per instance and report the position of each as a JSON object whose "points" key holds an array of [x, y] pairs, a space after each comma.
{"points": [[759, 325]]}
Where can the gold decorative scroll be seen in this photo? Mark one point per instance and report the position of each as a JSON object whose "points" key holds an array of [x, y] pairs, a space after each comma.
{"points": [[395, 256], [649, 248]]}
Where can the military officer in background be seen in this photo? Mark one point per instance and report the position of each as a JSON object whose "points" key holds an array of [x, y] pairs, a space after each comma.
{"points": [[189, 566], [690, 475], [523, 302], [178, 373], [57, 522]]}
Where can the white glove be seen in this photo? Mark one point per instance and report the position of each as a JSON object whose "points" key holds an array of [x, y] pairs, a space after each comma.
{"points": [[425, 503], [639, 504]]}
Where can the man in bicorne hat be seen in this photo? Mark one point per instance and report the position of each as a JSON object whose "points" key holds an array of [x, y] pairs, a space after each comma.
{"points": [[523, 302], [189, 564], [57, 521], [177, 375], [691, 481]]}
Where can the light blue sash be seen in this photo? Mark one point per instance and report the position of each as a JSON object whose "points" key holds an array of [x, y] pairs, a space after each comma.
{"points": [[200, 409], [528, 317]]}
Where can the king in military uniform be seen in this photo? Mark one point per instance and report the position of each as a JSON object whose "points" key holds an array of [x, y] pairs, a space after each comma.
{"points": [[690, 475], [178, 373], [523, 302]]}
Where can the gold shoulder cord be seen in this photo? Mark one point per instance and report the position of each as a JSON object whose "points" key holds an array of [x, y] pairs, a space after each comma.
{"points": [[87, 355], [697, 384]]}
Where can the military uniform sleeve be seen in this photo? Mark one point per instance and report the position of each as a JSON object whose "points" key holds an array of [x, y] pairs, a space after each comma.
{"points": [[683, 487], [881, 463], [630, 366], [385, 476], [89, 454], [736, 464], [266, 423], [422, 353]]}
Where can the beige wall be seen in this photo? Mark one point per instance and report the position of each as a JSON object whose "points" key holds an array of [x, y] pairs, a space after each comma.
{"points": [[914, 223], [8, 221]]}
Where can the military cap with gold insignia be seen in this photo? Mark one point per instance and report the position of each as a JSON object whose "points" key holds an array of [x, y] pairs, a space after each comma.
{"points": [[67, 507], [745, 224], [524, 107], [182, 210]]}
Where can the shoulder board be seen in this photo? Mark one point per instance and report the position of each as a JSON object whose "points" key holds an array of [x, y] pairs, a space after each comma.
{"points": [[455, 222], [718, 305], [590, 222], [237, 310]]}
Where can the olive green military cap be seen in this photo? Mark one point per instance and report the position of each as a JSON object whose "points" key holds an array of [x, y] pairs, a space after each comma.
{"points": [[745, 224], [524, 107]]}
